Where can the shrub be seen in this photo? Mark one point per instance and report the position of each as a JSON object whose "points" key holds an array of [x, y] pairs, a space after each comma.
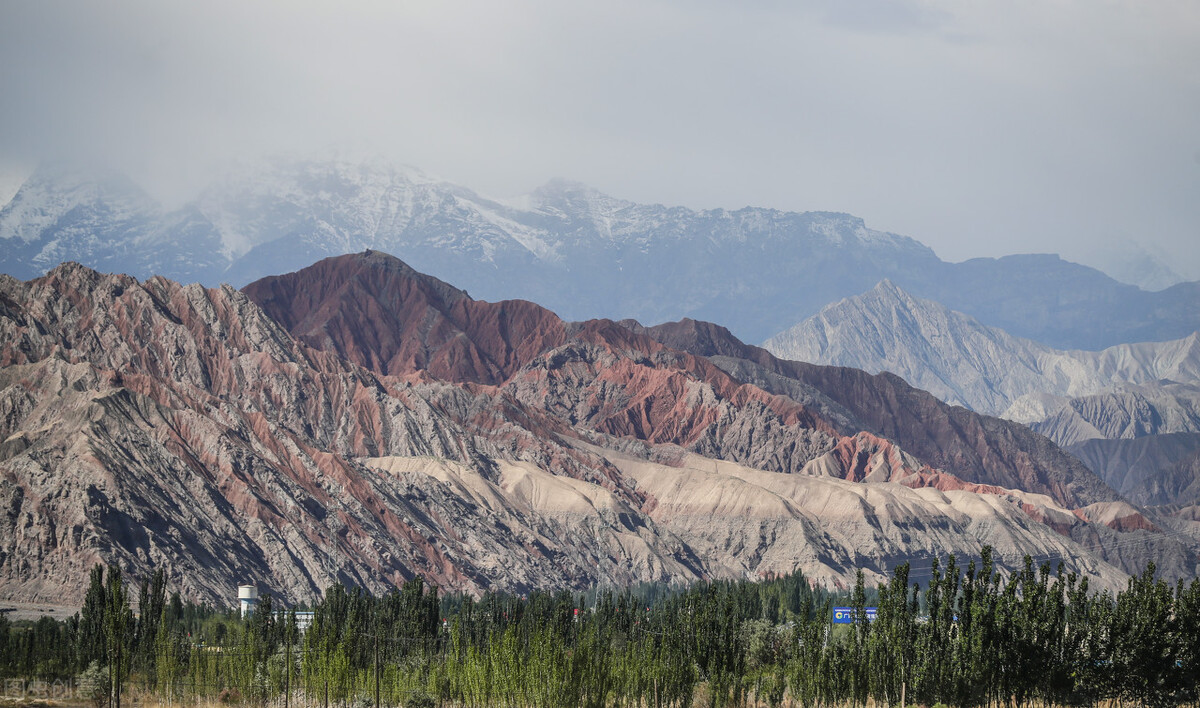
{"points": [[230, 696], [94, 684]]}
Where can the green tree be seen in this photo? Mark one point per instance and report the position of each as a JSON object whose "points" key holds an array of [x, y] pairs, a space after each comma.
{"points": [[1187, 645], [891, 639], [151, 602], [117, 626], [1141, 631], [90, 642]]}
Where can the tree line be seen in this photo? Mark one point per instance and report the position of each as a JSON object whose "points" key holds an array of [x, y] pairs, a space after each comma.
{"points": [[970, 636]]}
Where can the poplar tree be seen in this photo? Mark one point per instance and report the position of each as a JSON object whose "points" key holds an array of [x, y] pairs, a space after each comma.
{"points": [[90, 641], [117, 625], [151, 602]]}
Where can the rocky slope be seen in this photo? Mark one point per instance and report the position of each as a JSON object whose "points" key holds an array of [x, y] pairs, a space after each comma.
{"points": [[981, 451], [977, 448], [1143, 440], [1154, 470], [963, 362], [378, 312], [571, 248], [596, 375], [153, 424], [746, 521], [1121, 413]]}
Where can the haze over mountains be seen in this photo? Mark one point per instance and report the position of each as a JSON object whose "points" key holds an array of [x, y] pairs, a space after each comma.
{"points": [[359, 421], [570, 248]]}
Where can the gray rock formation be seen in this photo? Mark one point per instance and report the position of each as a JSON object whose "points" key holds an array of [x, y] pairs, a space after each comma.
{"points": [[1129, 412], [1124, 412], [1143, 440], [963, 362], [1155, 470]]}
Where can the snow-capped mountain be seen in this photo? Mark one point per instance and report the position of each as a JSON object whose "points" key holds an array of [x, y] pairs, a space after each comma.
{"points": [[59, 214], [580, 252]]}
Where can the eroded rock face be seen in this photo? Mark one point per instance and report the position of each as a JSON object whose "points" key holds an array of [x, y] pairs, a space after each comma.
{"points": [[1123, 413], [368, 424], [375, 311], [157, 424], [1130, 412], [1152, 469], [597, 375], [621, 381], [963, 449], [975, 448]]}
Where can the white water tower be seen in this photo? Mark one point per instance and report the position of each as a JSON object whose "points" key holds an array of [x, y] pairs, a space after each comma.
{"points": [[248, 597]]}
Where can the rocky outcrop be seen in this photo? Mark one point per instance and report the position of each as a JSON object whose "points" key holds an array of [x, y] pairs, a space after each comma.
{"points": [[965, 450], [1123, 413], [158, 425], [378, 312], [747, 521], [597, 376], [1138, 438], [1093, 403]]}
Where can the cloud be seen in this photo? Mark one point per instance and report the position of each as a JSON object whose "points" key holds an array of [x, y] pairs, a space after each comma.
{"points": [[980, 128], [886, 16]]}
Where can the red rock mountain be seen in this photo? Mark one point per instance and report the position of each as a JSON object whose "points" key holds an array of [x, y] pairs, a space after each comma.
{"points": [[360, 422], [957, 448], [979, 449], [375, 311]]}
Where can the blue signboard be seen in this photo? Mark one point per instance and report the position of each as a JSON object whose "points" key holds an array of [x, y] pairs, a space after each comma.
{"points": [[845, 615]]}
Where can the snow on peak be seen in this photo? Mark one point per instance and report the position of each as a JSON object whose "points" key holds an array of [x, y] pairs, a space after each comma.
{"points": [[52, 191]]}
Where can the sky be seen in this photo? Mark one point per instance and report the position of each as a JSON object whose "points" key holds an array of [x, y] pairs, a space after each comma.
{"points": [[979, 127]]}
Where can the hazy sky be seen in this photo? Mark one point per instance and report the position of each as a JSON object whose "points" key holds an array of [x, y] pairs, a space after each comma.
{"points": [[980, 127]]}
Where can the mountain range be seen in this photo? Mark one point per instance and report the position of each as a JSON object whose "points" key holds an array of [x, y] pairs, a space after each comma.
{"points": [[566, 246], [1131, 411], [962, 361], [360, 421]]}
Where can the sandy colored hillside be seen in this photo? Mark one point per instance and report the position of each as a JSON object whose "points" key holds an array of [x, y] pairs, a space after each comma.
{"points": [[752, 523]]}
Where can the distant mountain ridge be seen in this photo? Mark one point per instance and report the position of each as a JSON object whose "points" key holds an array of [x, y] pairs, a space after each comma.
{"points": [[964, 362], [568, 247], [1161, 469], [1144, 440], [1131, 412]]}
